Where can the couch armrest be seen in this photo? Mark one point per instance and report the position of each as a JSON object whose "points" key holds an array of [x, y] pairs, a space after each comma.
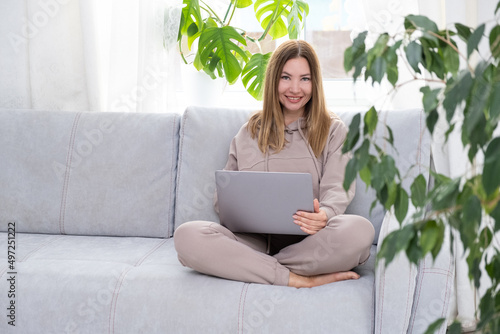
{"points": [[410, 297]]}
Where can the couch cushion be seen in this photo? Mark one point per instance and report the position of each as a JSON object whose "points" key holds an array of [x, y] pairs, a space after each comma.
{"points": [[205, 136], [82, 284], [203, 129], [88, 173]]}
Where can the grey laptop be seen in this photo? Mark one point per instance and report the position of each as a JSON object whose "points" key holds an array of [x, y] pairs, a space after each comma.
{"points": [[263, 202]]}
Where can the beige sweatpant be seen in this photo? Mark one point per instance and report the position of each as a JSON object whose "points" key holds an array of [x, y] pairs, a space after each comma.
{"points": [[212, 249]]}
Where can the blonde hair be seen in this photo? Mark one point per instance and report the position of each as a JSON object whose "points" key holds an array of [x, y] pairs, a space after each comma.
{"points": [[268, 125]]}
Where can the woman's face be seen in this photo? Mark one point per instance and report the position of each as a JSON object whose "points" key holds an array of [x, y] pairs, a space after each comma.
{"points": [[295, 86]]}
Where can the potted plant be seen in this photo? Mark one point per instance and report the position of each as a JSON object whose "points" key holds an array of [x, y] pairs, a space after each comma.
{"points": [[222, 49], [468, 204]]}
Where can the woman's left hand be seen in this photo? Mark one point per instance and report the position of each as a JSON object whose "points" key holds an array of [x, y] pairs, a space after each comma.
{"points": [[311, 222]]}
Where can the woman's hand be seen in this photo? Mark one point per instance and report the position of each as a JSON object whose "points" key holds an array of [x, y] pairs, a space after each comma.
{"points": [[311, 222]]}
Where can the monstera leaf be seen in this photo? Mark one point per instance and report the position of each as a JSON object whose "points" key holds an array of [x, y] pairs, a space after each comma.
{"points": [[242, 3], [191, 20], [271, 15], [255, 69], [216, 45]]}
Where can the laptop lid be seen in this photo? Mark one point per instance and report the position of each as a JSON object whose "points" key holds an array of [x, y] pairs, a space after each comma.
{"points": [[263, 202]]}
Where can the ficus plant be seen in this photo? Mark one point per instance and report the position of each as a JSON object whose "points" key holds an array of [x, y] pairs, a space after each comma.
{"points": [[222, 48], [462, 87]]}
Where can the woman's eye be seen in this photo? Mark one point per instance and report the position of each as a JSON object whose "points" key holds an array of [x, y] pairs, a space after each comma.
{"points": [[285, 77], [306, 79]]}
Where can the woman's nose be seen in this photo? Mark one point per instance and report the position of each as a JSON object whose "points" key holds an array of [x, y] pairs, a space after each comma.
{"points": [[295, 86]]}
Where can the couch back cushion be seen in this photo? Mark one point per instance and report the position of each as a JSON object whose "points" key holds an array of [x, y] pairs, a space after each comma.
{"points": [[206, 133], [88, 173], [205, 136]]}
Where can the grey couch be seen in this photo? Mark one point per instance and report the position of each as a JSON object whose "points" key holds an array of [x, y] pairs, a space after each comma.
{"points": [[95, 199]]}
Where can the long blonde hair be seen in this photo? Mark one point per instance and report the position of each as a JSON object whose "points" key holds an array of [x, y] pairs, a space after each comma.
{"points": [[268, 125]]}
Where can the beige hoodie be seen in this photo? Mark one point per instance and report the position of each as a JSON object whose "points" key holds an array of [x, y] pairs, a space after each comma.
{"points": [[297, 156]]}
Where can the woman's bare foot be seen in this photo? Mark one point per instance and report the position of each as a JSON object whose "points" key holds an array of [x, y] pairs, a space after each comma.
{"points": [[298, 281]]}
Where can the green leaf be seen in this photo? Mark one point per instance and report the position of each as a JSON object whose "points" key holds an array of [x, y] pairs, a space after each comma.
{"points": [[422, 22], [392, 63], [370, 121], [389, 139], [454, 328], [242, 3], [431, 120], [498, 7], [474, 39], [495, 102], [451, 60], [430, 98], [219, 41], [401, 204], [491, 169], [495, 41], [271, 15], [414, 251], [439, 243], [437, 65], [395, 242], [362, 154], [435, 326], [456, 91], [493, 267], [470, 220], [254, 73], [413, 53], [474, 112], [430, 235], [353, 134], [445, 194], [297, 14], [485, 237], [380, 45], [351, 171], [383, 173], [190, 15], [463, 31], [377, 70], [418, 191], [365, 174]]}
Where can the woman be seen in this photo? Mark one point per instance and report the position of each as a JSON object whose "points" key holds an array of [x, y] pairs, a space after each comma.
{"points": [[293, 133]]}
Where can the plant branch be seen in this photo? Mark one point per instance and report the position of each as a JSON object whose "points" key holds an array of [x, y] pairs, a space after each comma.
{"points": [[228, 9], [234, 9], [447, 41], [211, 11], [180, 51]]}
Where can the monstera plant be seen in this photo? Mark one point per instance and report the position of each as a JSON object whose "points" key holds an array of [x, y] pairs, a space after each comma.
{"points": [[222, 49], [461, 86]]}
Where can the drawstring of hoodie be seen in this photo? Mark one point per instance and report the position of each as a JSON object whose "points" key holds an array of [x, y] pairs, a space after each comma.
{"points": [[313, 156], [266, 167]]}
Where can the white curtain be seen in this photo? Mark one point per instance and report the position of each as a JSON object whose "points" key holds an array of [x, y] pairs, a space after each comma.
{"points": [[378, 16], [97, 55]]}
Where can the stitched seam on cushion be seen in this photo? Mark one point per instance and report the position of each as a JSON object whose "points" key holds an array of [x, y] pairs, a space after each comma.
{"points": [[179, 161], [171, 200], [69, 159], [119, 284], [45, 244], [382, 288], [445, 303], [417, 297], [408, 296], [241, 307]]}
